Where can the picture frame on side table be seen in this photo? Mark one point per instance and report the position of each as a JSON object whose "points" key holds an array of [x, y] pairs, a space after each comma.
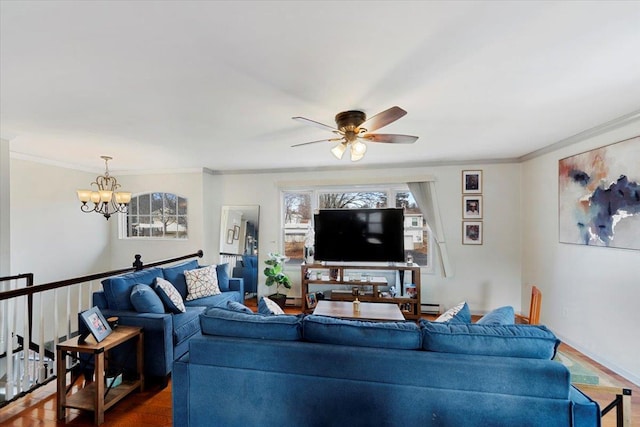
{"points": [[471, 207], [472, 182], [312, 300], [96, 323], [471, 232]]}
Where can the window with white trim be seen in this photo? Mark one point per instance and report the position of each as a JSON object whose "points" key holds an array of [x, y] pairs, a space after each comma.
{"points": [[298, 207], [156, 216]]}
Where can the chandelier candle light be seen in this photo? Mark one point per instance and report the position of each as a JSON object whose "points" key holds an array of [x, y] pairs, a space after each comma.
{"points": [[106, 200]]}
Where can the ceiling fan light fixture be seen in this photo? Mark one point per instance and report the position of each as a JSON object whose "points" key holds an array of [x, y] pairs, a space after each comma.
{"points": [[339, 150], [357, 150]]}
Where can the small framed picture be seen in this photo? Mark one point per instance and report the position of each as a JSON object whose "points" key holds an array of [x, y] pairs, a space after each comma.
{"points": [[96, 323], [471, 232], [312, 300], [236, 232], [229, 236], [471, 207], [472, 182]]}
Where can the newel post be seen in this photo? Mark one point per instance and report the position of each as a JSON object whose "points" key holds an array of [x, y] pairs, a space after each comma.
{"points": [[137, 264]]}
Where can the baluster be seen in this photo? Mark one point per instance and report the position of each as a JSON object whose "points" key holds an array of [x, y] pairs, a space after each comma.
{"points": [[56, 335], [9, 349], [42, 370], [25, 347]]}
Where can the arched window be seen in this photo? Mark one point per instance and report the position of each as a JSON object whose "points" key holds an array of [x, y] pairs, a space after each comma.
{"points": [[157, 215]]}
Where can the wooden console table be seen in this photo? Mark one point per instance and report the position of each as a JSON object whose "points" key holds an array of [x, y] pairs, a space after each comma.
{"points": [[93, 396], [351, 274]]}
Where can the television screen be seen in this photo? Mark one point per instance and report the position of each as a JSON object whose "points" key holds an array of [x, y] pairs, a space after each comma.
{"points": [[359, 235]]}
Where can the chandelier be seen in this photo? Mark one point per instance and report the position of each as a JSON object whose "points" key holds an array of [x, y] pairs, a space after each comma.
{"points": [[106, 200]]}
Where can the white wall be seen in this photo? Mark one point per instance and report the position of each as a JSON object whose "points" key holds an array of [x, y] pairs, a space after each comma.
{"points": [[50, 236], [486, 276], [5, 209], [590, 294]]}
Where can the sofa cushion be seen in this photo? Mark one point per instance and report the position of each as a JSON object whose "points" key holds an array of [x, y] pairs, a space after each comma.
{"points": [[202, 282], [117, 289], [267, 306], [223, 277], [459, 313], [499, 316], [216, 300], [146, 300], [236, 306], [186, 324], [175, 275], [169, 296], [330, 330], [222, 322], [529, 341]]}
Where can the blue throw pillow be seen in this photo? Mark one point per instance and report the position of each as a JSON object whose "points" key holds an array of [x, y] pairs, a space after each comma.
{"points": [[145, 300], [223, 277], [460, 313], [236, 306], [169, 296], [499, 316], [530, 341]]}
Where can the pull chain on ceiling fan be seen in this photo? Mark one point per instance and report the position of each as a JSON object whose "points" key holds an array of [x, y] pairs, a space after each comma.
{"points": [[353, 128]]}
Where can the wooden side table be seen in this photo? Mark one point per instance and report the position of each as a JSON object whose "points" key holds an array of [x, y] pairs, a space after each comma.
{"points": [[92, 397]]}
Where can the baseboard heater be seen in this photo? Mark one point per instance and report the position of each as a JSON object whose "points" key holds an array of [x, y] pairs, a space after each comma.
{"points": [[430, 308]]}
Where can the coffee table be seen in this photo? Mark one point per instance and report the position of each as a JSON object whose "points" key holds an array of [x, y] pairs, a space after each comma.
{"points": [[376, 311]]}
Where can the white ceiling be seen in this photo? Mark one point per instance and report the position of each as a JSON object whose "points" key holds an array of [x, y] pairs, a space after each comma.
{"points": [[177, 84]]}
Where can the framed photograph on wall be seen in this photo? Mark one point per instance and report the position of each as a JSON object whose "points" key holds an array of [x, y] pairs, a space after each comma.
{"points": [[471, 207], [230, 236], [236, 232], [471, 232], [312, 300], [472, 182], [96, 323]]}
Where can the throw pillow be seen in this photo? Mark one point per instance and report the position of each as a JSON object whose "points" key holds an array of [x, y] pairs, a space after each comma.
{"points": [[223, 277], [236, 306], [499, 316], [145, 300], [169, 296], [202, 282], [267, 306], [459, 313]]}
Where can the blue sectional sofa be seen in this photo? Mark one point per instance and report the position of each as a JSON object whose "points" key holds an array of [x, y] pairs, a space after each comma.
{"points": [[166, 334], [251, 369]]}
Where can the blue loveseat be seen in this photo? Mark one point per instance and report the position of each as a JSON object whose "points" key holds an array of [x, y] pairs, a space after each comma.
{"points": [[251, 369], [166, 335]]}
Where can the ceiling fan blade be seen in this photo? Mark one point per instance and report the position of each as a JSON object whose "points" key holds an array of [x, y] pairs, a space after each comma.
{"points": [[320, 140], [382, 119], [389, 137], [314, 123]]}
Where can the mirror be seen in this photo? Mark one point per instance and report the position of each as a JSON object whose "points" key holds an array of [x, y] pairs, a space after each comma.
{"points": [[239, 235]]}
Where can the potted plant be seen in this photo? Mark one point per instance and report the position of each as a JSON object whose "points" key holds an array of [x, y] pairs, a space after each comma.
{"points": [[275, 276]]}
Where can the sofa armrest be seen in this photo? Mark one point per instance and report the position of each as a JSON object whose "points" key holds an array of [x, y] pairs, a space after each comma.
{"points": [[99, 299], [158, 338], [237, 284]]}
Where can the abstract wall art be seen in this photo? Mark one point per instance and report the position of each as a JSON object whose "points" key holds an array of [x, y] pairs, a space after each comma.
{"points": [[599, 196]]}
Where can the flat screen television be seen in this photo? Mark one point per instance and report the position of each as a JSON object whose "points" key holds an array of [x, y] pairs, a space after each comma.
{"points": [[364, 235]]}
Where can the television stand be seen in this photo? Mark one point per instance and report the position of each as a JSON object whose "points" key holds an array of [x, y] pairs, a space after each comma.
{"points": [[369, 288]]}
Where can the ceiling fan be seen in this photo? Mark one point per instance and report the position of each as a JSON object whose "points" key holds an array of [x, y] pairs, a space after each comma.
{"points": [[353, 128]]}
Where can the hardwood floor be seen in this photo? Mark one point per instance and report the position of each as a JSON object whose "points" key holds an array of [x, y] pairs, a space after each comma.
{"points": [[153, 406]]}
